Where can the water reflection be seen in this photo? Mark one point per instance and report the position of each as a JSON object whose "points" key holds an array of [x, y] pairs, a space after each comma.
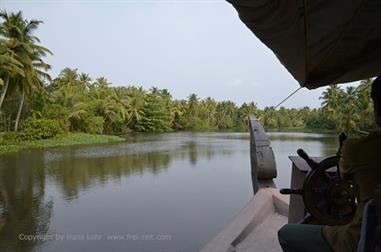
{"points": [[74, 175], [76, 169], [23, 206], [151, 183]]}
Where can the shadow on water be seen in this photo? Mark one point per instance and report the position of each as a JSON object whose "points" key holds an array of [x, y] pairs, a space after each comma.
{"points": [[150, 184]]}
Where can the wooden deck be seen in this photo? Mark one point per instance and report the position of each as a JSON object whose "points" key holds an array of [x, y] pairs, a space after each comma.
{"points": [[256, 226]]}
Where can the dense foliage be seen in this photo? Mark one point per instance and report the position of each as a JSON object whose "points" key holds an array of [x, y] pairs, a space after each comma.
{"points": [[73, 102], [35, 129]]}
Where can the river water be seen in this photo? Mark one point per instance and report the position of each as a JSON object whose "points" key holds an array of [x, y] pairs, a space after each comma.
{"points": [[159, 192]]}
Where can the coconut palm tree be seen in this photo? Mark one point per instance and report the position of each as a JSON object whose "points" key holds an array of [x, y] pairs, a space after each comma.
{"points": [[210, 107], [10, 68], [135, 109], [84, 78], [67, 77], [225, 114], [192, 103], [121, 96], [165, 94], [348, 116], [365, 107], [155, 90], [102, 83], [21, 41], [332, 100]]}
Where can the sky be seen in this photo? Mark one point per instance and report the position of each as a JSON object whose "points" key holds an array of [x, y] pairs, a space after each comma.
{"points": [[185, 46]]}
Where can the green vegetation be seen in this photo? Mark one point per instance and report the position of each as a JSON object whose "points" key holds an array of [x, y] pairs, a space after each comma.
{"points": [[7, 147], [347, 109], [36, 107]]}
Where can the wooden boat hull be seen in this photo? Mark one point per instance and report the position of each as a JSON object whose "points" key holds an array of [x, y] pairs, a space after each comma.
{"points": [[256, 226]]}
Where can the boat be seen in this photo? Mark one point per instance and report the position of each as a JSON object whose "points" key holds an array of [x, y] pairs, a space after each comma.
{"points": [[320, 43], [256, 225]]}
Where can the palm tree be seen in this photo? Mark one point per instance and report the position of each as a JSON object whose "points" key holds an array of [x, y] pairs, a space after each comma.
{"points": [[244, 112], [33, 81], [85, 80], [210, 106], [102, 83], [112, 105], [165, 94], [10, 68], [365, 107], [135, 109], [67, 77], [121, 95], [155, 90], [192, 103], [176, 110], [75, 105], [23, 43], [225, 114], [269, 117], [8, 27], [348, 115], [332, 99]]}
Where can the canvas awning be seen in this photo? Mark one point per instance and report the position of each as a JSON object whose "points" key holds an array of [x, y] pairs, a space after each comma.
{"points": [[320, 42]]}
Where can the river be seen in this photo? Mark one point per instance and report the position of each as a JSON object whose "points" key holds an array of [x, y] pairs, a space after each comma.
{"points": [[154, 192]]}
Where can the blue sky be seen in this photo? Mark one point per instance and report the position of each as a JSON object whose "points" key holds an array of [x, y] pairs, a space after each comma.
{"points": [[186, 46]]}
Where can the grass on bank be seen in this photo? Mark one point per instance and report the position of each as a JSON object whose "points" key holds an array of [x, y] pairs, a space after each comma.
{"points": [[304, 130], [65, 140], [84, 138]]}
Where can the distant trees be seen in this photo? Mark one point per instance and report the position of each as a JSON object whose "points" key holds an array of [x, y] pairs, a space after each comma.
{"points": [[77, 103], [80, 104], [157, 117]]}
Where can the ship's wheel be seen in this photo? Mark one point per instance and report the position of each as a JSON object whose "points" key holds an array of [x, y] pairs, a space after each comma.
{"points": [[328, 199]]}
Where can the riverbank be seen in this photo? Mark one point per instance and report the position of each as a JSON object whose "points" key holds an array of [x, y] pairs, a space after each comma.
{"points": [[84, 138], [304, 130], [67, 140]]}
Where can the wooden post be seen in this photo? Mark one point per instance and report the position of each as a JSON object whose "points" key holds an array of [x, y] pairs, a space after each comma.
{"points": [[299, 170], [263, 166]]}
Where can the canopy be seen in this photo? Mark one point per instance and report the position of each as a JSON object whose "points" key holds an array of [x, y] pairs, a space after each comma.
{"points": [[320, 42]]}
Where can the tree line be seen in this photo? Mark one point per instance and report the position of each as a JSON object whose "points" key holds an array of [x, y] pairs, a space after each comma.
{"points": [[74, 102]]}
